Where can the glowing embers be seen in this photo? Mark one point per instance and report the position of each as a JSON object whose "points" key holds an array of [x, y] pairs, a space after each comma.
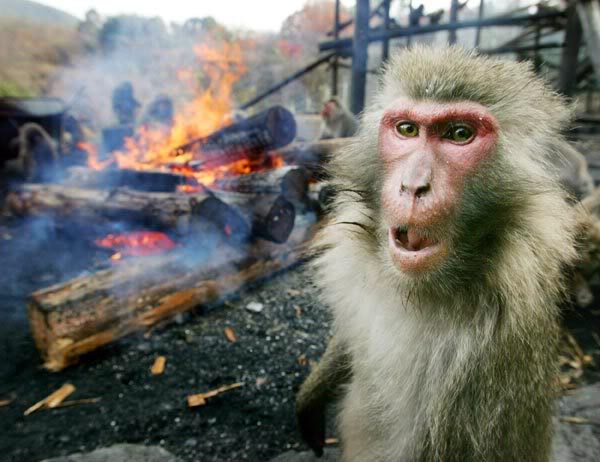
{"points": [[136, 244]]}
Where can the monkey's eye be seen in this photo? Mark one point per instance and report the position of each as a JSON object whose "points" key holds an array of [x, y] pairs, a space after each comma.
{"points": [[459, 133], [407, 129]]}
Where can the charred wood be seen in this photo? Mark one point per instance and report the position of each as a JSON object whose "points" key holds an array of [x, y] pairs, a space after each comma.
{"points": [[234, 215], [268, 130], [291, 182], [110, 178], [76, 317], [313, 156]]}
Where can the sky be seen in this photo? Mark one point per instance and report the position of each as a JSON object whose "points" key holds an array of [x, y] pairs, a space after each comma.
{"points": [[259, 15]]}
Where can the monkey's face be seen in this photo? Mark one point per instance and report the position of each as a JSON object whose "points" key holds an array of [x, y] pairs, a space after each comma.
{"points": [[429, 152], [330, 110]]}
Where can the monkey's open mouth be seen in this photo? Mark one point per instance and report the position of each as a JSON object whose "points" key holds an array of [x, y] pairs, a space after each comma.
{"points": [[412, 250], [411, 240]]}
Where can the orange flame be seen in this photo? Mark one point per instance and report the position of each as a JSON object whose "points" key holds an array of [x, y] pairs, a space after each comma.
{"points": [[136, 243], [153, 148], [93, 159]]}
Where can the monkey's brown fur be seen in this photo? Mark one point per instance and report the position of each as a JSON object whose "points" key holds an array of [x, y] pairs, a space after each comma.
{"points": [[458, 364], [339, 122]]}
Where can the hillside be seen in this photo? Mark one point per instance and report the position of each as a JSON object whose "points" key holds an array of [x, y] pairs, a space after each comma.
{"points": [[26, 10]]}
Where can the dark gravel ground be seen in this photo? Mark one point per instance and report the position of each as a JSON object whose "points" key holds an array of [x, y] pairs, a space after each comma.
{"points": [[254, 422], [271, 357]]}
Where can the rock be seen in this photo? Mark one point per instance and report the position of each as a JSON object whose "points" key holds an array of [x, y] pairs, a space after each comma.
{"points": [[255, 307], [120, 453], [329, 455], [578, 442]]}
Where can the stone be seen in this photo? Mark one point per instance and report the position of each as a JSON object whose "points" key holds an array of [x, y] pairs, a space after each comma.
{"points": [[120, 453], [578, 442], [329, 455]]}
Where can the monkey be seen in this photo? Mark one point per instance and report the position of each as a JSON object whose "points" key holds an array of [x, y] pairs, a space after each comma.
{"points": [[443, 265], [572, 169], [37, 158], [339, 121]]}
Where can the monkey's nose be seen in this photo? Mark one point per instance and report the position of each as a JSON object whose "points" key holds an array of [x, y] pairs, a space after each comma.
{"points": [[416, 190]]}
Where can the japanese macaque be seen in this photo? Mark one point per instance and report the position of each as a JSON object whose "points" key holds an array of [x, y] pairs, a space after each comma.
{"points": [[37, 156], [339, 121], [572, 169], [443, 265]]}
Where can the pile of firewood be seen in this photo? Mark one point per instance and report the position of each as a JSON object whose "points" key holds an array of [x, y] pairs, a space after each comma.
{"points": [[259, 224]]}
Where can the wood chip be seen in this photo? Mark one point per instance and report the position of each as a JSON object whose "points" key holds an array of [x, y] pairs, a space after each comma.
{"points": [[230, 334], [78, 402], [573, 342], [331, 441], [302, 360], [5, 402], [298, 311], [53, 400], [575, 420], [158, 368], [199, 399]]}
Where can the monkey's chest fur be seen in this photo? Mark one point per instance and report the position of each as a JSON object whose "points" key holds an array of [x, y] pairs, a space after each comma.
{"points": [[426, 387]]}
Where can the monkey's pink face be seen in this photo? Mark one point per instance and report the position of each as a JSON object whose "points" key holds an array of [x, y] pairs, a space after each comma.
{"points": [[429, 150], [328, 109]]}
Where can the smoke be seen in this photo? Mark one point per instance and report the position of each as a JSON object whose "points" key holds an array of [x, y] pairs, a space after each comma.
{"points": [[161, 63]]}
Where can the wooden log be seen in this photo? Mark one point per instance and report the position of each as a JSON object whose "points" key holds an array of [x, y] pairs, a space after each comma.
{"points": [[111, 178], [233, 214], [275, 222], [154, 210], [290, 181], [313, 156], [251, 137], [266, 217], [78, 316]]}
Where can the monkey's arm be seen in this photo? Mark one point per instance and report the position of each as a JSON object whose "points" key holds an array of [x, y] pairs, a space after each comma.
{"points": [[322, 386]]}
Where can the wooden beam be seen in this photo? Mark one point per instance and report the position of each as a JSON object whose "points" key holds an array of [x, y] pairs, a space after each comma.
{"points": [[360, 56], [567, 78]]}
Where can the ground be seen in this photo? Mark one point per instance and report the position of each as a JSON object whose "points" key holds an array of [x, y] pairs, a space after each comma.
{"points": [[271, 356], [255, 422]]}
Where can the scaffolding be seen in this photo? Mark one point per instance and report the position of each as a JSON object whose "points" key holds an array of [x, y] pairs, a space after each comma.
{"points": [[543, 28]]}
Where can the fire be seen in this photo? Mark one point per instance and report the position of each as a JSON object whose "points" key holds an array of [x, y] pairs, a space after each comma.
{"points": [[136, 243], [154, 148], [240, 167], [93, 159]]}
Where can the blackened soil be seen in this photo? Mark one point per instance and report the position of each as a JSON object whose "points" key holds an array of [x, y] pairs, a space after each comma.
{"points": [[254, 422]]}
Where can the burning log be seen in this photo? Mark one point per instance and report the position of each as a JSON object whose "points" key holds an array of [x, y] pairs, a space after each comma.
{"points": [[237, 216], [268, 130], [78, 316], [291, 182], [313, 155]]}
